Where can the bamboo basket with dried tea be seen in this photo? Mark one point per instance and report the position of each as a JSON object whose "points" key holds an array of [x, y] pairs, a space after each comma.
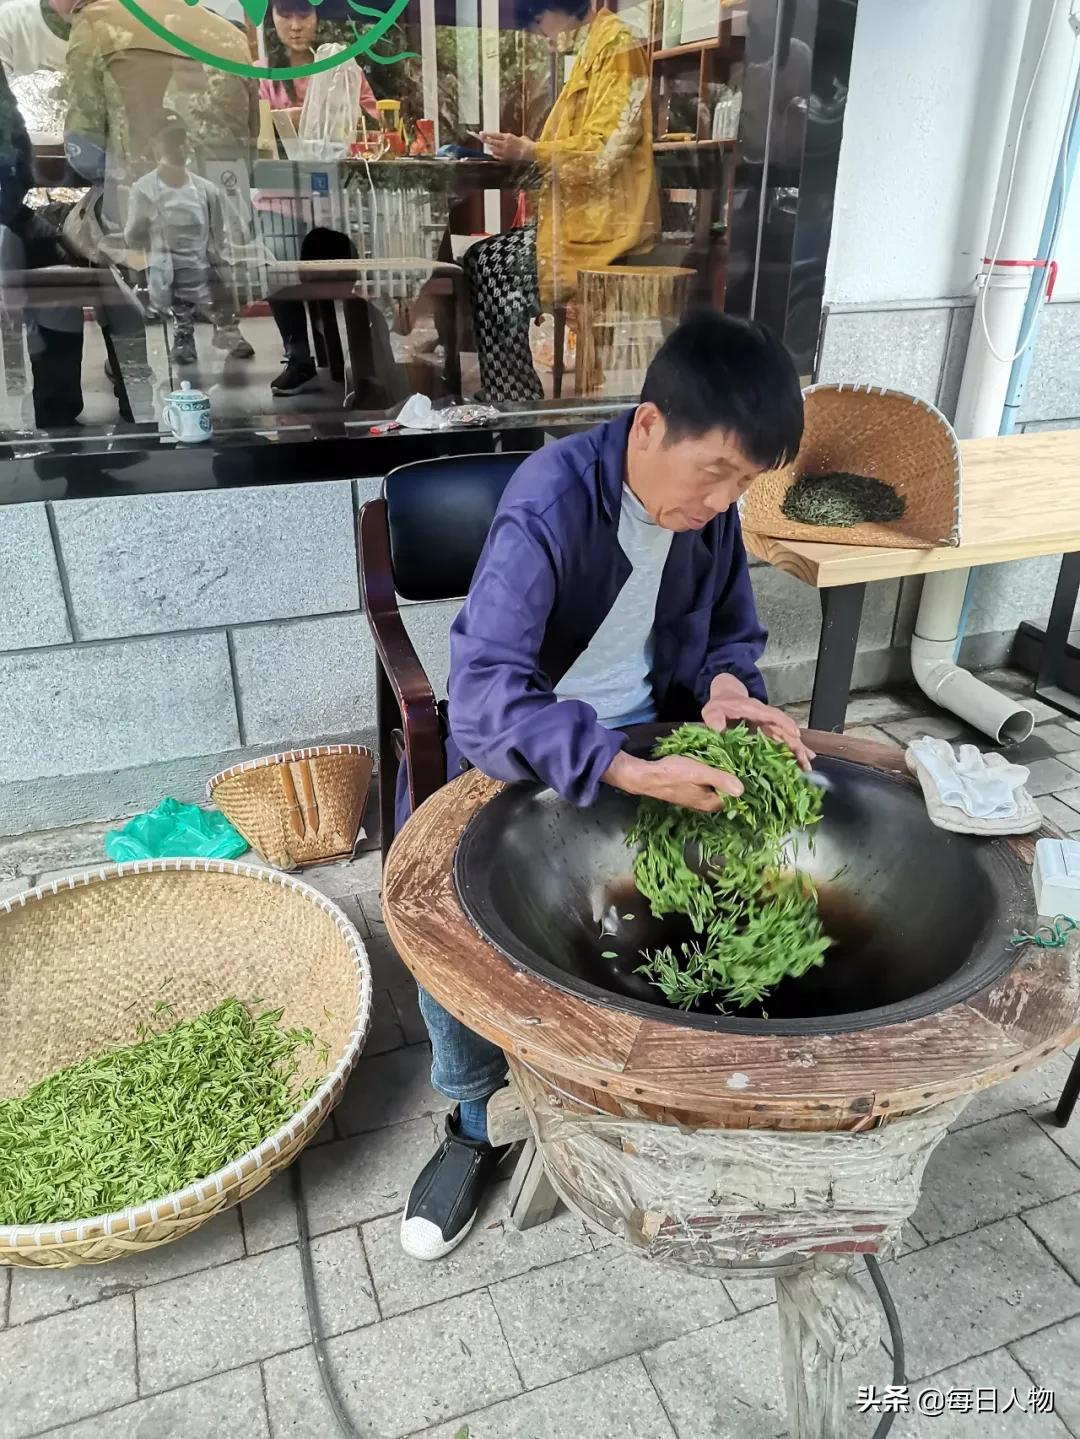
{"points": [[875, 467]]}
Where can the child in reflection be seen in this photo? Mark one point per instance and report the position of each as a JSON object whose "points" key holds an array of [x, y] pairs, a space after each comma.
{"points": [[178, 218]]}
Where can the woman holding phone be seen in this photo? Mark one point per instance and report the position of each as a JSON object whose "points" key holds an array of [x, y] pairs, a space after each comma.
{"points": [[596, 197]]}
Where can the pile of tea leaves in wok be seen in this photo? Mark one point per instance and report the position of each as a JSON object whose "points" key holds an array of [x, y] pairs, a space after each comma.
{"points": [[757, 919], [842, 499], [140, 1122]]}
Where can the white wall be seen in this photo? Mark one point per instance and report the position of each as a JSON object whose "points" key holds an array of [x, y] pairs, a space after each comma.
{"points": [[928, 108], [1068, 251]]}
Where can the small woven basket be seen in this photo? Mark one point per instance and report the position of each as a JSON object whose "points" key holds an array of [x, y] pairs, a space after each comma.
{"points": [[298, 808], [885, 435], [82, 963]]}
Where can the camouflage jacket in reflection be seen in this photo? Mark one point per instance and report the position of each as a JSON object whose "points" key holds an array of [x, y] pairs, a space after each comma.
{"points": [[123, 80]]}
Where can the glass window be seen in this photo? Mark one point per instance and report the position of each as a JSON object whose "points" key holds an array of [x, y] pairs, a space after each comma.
{"points": [[343, 208]]}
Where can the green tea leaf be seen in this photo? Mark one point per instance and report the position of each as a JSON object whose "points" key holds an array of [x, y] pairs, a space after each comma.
{"points": [[757, 923], [137, 1123]]}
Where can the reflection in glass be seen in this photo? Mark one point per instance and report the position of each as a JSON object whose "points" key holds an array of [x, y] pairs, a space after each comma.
{"points": [[511, 200]]}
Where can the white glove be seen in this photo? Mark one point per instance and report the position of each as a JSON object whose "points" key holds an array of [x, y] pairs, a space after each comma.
{"points": [[983, 786], [971, 792]]}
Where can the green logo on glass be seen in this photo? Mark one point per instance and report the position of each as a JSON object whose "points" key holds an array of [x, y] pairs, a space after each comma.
{"points": [[363, 43]]}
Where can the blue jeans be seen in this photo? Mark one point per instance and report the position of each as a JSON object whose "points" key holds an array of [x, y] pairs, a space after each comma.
{"points": [[463, 1065]]}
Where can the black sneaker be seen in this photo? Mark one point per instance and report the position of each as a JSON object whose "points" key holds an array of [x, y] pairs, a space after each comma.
{"points": [[297, 375], [443, 1201], [183, 349]]}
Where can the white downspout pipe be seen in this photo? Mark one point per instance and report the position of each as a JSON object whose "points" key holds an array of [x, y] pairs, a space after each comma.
{"points": [[943, 681], [1044, 82]]}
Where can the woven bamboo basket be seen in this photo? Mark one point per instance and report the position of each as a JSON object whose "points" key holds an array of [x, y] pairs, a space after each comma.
{"points": [[82, 962], [298, 808], [885, 435]]}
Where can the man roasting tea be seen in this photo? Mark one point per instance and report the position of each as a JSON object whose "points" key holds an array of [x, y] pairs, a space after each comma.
{"points": [[613, 591]]}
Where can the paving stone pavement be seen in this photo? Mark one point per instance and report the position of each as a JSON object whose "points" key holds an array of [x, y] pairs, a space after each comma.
{"points": [[557, 1333]]}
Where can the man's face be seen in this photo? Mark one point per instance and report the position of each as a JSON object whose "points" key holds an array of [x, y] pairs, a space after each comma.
{"points": [[685, 483]]}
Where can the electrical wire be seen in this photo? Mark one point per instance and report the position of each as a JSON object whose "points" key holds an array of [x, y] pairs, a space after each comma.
{"points": [[326, 1373], [314, 1314], [896, 1334], [984, 280]]}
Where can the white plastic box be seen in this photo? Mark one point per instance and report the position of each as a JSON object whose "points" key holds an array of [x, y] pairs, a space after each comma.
{"points": [[1056, 876]]}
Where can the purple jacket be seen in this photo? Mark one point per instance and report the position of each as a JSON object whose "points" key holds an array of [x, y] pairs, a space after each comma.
{"points": [[546, 580]]}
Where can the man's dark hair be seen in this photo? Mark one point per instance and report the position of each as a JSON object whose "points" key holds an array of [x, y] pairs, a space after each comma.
{"points": [[172, 127], [717, 372]]}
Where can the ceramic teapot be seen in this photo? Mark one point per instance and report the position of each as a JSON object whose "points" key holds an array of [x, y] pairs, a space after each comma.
{"points": [[186, 412]]}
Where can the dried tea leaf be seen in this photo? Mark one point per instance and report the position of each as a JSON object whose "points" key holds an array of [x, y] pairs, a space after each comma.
{"points": [[843, 500]]}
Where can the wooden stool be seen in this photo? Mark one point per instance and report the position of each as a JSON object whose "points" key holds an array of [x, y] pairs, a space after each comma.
{"points": [[625, 312], [533, 1199]]}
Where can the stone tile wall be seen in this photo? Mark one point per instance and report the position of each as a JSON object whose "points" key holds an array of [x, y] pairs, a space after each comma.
{"points": [[146, 641]]}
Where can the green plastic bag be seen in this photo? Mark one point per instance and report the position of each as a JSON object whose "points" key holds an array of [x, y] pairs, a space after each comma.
{"points": [[175, 829]]}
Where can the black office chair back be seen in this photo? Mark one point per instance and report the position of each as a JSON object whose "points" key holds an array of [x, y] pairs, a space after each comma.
{"points": [[439, 513]]}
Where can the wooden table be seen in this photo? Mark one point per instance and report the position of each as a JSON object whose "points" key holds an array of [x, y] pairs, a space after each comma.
{"points": [[1021, 498], [324, 282]]}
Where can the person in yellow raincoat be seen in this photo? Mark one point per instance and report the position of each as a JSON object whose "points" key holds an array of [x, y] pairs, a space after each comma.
{"points": [[597, 195]]}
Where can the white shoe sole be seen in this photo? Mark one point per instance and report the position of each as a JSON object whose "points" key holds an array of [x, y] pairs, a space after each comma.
{"points": [[423, 1240]]}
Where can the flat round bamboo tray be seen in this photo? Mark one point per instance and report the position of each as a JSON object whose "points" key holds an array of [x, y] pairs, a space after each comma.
{"points": [[885, 435], [82, 963], [302, 807]]}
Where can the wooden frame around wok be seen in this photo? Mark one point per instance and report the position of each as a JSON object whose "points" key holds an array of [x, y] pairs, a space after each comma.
{"points": [[618, 1060]]}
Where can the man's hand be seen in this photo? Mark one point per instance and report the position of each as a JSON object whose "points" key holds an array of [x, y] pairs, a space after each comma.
{"points": [[731, 703], [508, 147], [676, 780]]}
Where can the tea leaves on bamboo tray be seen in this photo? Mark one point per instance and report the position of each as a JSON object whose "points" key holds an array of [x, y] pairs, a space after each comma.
{"points": [[757, 920], [843, 500], [140, 1122]]}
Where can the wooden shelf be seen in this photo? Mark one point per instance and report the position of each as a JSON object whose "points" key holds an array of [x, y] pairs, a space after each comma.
{"points": [[695, 47], [668, 147]]}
